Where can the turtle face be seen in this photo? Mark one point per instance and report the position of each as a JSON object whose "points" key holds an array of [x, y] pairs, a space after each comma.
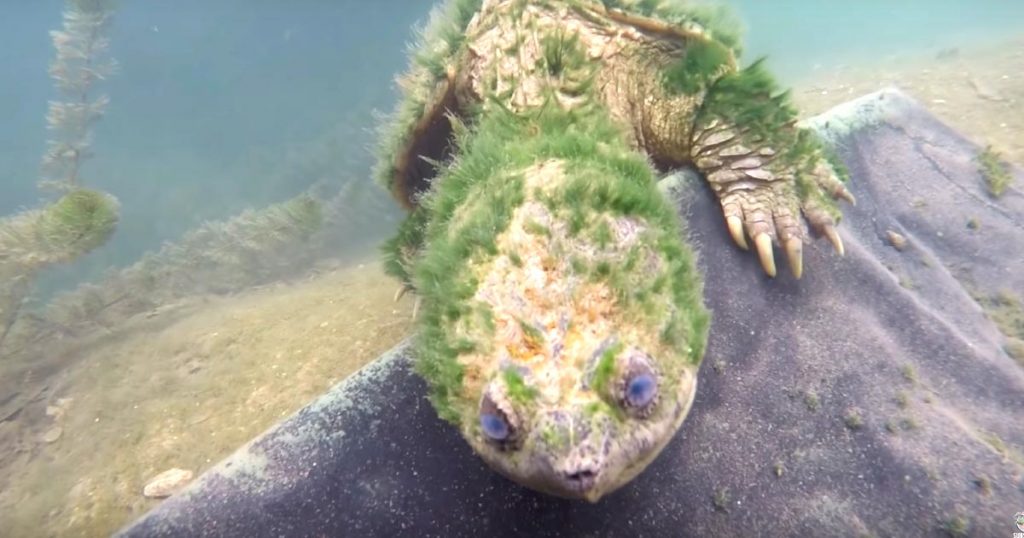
{"points": [[590, 437]]}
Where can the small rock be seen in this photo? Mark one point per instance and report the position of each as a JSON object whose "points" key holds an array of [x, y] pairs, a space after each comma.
{"points": [[55, 412], [984, 91], [897, 241], [53, 434], [167, 483]]}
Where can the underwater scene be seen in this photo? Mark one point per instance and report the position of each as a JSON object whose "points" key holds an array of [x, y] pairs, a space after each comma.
{"points": [[212, 213]]}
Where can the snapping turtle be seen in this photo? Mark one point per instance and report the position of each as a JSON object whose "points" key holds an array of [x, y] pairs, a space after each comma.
{"points": [[563, 322]]}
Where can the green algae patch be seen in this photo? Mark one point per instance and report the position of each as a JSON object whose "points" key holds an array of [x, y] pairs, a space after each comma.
{"points": [[396, 255], [751, 97], [562, 53], [718, 21], [703, 62], [518, 390], [605, 368], [995, 172], [1006, 311]]}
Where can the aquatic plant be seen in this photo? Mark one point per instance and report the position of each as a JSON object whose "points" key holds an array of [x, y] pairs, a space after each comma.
{"points": [[76, 223], [956, 526], [80, 219], [81, 61], [995, 172], [254, 247], [225, 256], [1006, 310]]}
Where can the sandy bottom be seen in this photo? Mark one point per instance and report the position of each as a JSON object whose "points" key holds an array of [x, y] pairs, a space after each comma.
{"points": [[185, 386], [979, 90]]}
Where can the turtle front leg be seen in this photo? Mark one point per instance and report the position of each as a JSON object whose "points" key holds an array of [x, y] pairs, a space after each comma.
{"points": [[766, 171], [402, 251]]}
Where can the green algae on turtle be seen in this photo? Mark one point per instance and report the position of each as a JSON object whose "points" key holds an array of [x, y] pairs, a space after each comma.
{"points": [[563, 322]]}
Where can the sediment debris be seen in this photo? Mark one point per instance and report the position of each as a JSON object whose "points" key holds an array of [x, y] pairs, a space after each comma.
{"points": [[897, 240], [167, 483]]}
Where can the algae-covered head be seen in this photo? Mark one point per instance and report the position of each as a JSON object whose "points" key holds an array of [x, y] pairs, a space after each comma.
{"points": [[567, 356]]}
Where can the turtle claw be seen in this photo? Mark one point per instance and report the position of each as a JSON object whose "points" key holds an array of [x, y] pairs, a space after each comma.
{"points": [[795, 255], [764, 252], [828, 181], [736, 231], [771, 214], [416, 307], [847, 196], [833, 237], [402, 291]]}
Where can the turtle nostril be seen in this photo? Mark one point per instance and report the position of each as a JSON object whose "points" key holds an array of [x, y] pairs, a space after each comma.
{"points": [[581, 475], [582, 479]]}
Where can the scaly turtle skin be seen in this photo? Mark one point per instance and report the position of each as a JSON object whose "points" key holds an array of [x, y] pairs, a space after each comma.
{"points": [[563, 322]]}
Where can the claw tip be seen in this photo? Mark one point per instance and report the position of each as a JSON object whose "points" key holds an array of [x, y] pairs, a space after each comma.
{"points": [[837, 242], [764, 252], [736, 231], [795, 254]]}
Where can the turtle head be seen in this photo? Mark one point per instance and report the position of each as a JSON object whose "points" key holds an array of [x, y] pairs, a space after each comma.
{"points": [[578, 338], [581, 436], [566, 348]]}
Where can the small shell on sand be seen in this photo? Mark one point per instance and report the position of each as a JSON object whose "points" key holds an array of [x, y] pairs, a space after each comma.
{"points": [[53, 434], [167, 483], [896, 240]]}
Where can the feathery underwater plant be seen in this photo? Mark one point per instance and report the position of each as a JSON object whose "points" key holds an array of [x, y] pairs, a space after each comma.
{"points": [[81, 61], [251, 248], [81, 219]]}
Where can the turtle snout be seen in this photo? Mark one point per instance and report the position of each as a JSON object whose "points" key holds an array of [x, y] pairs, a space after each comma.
{"points": [[582, 479]]}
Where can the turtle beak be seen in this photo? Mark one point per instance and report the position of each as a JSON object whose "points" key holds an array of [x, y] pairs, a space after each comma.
{"points": [[571, 459], [582, 481], [578, 470]]}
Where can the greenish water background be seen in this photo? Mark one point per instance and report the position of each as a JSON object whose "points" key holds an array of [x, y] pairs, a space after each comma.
{"points": [[228, 104]]}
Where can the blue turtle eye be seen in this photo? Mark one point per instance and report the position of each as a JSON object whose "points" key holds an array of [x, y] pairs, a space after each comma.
{"points": [[500, 426], [495, 426], [641, 390]]}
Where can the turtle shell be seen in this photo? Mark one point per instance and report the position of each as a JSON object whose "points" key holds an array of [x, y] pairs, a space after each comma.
{"points": [[418, 133], [418, 136]]}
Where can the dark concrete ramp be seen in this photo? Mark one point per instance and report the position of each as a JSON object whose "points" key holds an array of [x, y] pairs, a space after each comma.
{"points": [[871, 398]]}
